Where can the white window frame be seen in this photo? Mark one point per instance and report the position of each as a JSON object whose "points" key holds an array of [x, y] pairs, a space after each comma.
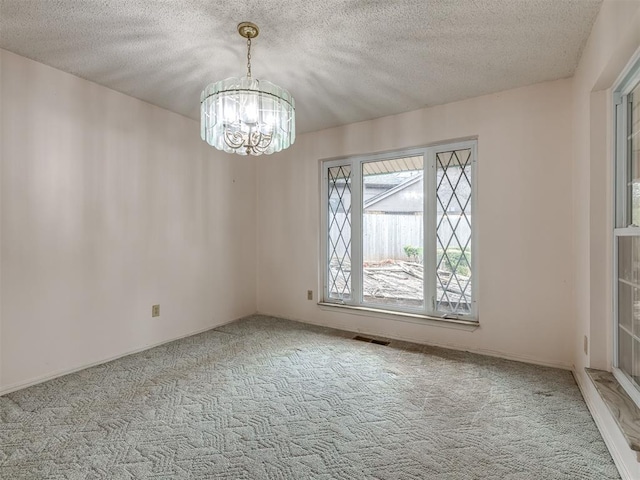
{"points": [[629, 79], [429, 217]]}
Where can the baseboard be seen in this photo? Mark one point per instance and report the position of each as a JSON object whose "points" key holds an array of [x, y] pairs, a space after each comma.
{"points": [[624, 458], [50, 376], [479, 351]]}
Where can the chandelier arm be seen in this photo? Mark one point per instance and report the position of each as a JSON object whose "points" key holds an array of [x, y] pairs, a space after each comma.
{"points": [[233, 139], [254, 142], [261, 141]]}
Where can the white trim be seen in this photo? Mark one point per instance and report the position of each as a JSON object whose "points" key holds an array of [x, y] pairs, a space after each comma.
{"points": [[417, 318], [618, 219], [357, 290], [429, 223], [627, 232], [475, 236], [619, 204], [625, 459], [624, 165], [617, 99], [627, 76], [324, 226], [356, 163], [60, 373]]}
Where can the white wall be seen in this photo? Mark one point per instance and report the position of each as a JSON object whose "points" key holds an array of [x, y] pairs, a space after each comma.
{"points": [[524, 213], [110, 205], [1, 161], [614, 39]]}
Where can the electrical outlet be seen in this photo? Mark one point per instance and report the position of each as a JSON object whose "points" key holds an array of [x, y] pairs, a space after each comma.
{"points": [[309, 294], [586, 345], [155, 311]]}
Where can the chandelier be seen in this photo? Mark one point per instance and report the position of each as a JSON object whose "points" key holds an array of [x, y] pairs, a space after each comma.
{"points": [[245, 115]]}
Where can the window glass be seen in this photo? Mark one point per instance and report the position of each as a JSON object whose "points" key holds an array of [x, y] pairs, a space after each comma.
{"points": [[392, 232]]}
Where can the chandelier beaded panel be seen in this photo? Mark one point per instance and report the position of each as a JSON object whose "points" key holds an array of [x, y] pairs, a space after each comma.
{"points": [[245, 115]]}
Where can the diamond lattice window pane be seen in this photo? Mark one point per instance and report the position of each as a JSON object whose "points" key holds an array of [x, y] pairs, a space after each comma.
{"points": [[453, 232], [339, 246]]}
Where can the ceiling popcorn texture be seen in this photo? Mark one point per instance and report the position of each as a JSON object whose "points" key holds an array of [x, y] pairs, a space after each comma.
{"points": [[342, 60]]}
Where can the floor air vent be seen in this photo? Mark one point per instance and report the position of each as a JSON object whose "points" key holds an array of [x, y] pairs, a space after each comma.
{"points": [[371, 340]]}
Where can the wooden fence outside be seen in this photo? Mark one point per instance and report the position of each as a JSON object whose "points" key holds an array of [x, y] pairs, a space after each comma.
{"points": [[385, 236]]}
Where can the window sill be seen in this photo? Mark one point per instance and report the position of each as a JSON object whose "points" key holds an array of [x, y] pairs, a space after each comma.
{"points": [[622, 407], [417, 318]]}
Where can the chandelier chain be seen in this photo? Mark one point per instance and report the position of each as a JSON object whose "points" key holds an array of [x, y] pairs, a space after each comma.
{"points": [[249, 57]]}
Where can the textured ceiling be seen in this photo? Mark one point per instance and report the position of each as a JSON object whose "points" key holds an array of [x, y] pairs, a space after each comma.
{"points": [[342, 60]]}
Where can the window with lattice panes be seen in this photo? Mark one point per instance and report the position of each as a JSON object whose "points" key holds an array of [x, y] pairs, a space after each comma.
{"points": [[626, 333], [398, 231]]}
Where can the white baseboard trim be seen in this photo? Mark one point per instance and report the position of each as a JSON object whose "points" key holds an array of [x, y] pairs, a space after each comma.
{"points": [[60, 373], [479, 351], [625, 459]]}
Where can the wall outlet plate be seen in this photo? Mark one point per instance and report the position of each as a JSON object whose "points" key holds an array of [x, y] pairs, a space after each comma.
{"points": [[155, 311], [309, 294]]}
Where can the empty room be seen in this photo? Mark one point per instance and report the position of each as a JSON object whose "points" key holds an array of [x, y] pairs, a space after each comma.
{"points": [[320, 240]]}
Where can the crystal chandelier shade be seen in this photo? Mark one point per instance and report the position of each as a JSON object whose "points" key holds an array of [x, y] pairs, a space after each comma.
{"points": [[245, 115]]}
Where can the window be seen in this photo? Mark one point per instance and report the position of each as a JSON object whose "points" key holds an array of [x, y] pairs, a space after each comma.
{"points": [[627, 234], [398, 231]]}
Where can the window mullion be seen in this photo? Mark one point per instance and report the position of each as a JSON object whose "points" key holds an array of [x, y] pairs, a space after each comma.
{"points": [[626, 166], [430, 219], [356, 232], [474, 230], [324, 229], [621, 167], [615, 298]]}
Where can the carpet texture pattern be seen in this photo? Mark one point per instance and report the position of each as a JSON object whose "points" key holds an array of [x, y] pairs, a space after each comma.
{"points": [[266, 398]]}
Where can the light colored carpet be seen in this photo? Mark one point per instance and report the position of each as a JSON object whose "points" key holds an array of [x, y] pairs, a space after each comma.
{"points": [[265, 398]]}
